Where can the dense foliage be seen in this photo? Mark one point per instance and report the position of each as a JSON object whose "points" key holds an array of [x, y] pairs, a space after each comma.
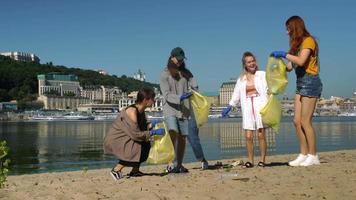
{"points": [[18, 80], [4, 163]]}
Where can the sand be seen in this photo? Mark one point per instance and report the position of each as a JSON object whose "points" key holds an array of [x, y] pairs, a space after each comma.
{"points": [[335, 178]]}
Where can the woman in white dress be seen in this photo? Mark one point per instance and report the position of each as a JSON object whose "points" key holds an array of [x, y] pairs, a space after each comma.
{"points": [[251, 91]]}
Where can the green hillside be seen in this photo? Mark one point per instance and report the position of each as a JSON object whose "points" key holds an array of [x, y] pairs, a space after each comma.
{"points": [[18, 80]]}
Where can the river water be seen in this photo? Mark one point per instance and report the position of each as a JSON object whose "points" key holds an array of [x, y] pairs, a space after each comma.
{"points": [[48, 146]]}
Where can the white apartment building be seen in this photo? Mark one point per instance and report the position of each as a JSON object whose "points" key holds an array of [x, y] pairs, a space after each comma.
{"points": [[102, 94], [94, 93], [112, 94], [22, 56], [59, 83]]}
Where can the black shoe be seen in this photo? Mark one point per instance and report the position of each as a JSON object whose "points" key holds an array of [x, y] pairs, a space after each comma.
{"points": [[136, 174], [177, 170], [183, 169]]}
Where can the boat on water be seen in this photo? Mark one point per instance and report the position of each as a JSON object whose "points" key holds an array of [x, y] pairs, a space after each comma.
{"points": [[347, 114], [43, 118], [72, 117], [106, 116], [65, 117]]}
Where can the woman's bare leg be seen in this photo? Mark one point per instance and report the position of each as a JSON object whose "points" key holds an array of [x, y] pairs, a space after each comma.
{"points": [[298, 125], [262, 144], [308, 107], [249, 145]]}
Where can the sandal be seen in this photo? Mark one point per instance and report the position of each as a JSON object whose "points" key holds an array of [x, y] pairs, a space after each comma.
{"points": [[248, 165], [261, 164]]}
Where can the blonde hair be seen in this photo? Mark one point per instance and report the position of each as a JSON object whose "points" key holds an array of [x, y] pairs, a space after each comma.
{"points": [[244, 55]]}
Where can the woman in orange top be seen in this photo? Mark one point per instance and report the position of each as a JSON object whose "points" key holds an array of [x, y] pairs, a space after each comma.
{"points": [[303, 57]]}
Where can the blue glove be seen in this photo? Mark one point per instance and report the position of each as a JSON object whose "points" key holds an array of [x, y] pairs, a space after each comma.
{"points": [[279, 54], [154, 122], [159, 131], [185, 95], [226, 111]]}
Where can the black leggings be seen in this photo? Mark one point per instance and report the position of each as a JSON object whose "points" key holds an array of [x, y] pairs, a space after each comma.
{"points": [[145, 150]]}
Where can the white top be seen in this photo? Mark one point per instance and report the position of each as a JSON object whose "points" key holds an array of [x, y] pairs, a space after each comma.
{"points": [[239, 95]]}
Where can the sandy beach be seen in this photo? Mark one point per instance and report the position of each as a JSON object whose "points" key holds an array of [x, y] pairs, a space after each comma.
{"points": [[335, 178]]}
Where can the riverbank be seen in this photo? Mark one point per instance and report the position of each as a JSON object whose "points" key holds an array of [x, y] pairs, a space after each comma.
{"points": [[335, 178]]}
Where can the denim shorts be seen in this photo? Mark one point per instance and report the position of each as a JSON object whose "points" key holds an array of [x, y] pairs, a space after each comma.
{"points": [[178, 125], [309, 85]]}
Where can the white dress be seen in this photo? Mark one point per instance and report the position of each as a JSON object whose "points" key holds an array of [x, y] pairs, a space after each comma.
{"points": [[251, 106]]}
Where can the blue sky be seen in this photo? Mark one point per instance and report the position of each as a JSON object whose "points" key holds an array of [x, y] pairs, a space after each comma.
{"points": [[124, 36]]}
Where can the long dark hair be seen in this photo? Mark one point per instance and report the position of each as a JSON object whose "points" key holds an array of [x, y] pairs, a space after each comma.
{"points": [[174, 69], [297, 33]]}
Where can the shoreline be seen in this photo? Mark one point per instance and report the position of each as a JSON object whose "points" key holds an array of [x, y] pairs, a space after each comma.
{"points": [[335, 178], [144, 165]]}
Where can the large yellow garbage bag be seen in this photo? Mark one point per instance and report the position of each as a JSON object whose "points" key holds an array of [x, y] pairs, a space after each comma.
{"points": [[272, 113], [276, 75], [277, 80], [162, 150], [201, 108]]}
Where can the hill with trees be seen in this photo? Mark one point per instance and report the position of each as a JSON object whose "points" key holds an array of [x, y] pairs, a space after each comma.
{"points": [[18, 80]]}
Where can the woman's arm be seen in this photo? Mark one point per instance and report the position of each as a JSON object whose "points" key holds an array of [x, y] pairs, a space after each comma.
{"points": [[193, 84], [299, 60], [166, 93], [289, 66]]}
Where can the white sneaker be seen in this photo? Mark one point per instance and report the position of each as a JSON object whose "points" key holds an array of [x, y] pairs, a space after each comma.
{"points": [[311, 160], [301, 158]]}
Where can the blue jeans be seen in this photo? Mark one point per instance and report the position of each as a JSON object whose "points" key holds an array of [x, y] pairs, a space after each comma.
{"points": [[307, 84], [178, 125], [193, 138]]}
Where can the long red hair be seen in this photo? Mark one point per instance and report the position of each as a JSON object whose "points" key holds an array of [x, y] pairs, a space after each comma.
{"points": [[297, 33]]}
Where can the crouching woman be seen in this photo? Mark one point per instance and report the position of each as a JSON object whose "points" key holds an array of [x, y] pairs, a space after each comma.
{"points": [[128, 137]]}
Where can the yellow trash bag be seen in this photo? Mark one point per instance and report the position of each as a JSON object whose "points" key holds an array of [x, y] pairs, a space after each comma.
{"points": [[162, 150], [272, 112], [201, 108], [276, 75], [277, 80]]}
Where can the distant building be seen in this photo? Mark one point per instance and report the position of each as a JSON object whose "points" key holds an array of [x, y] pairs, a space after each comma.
{"points": [[22, 56], [102, 94], [94, 93], [103, 72], [58, 85], [112, 94], [212, 98], [8, 106], [348, 105], [62, 103], [226, 90], [140, 76], [133, 94]]}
